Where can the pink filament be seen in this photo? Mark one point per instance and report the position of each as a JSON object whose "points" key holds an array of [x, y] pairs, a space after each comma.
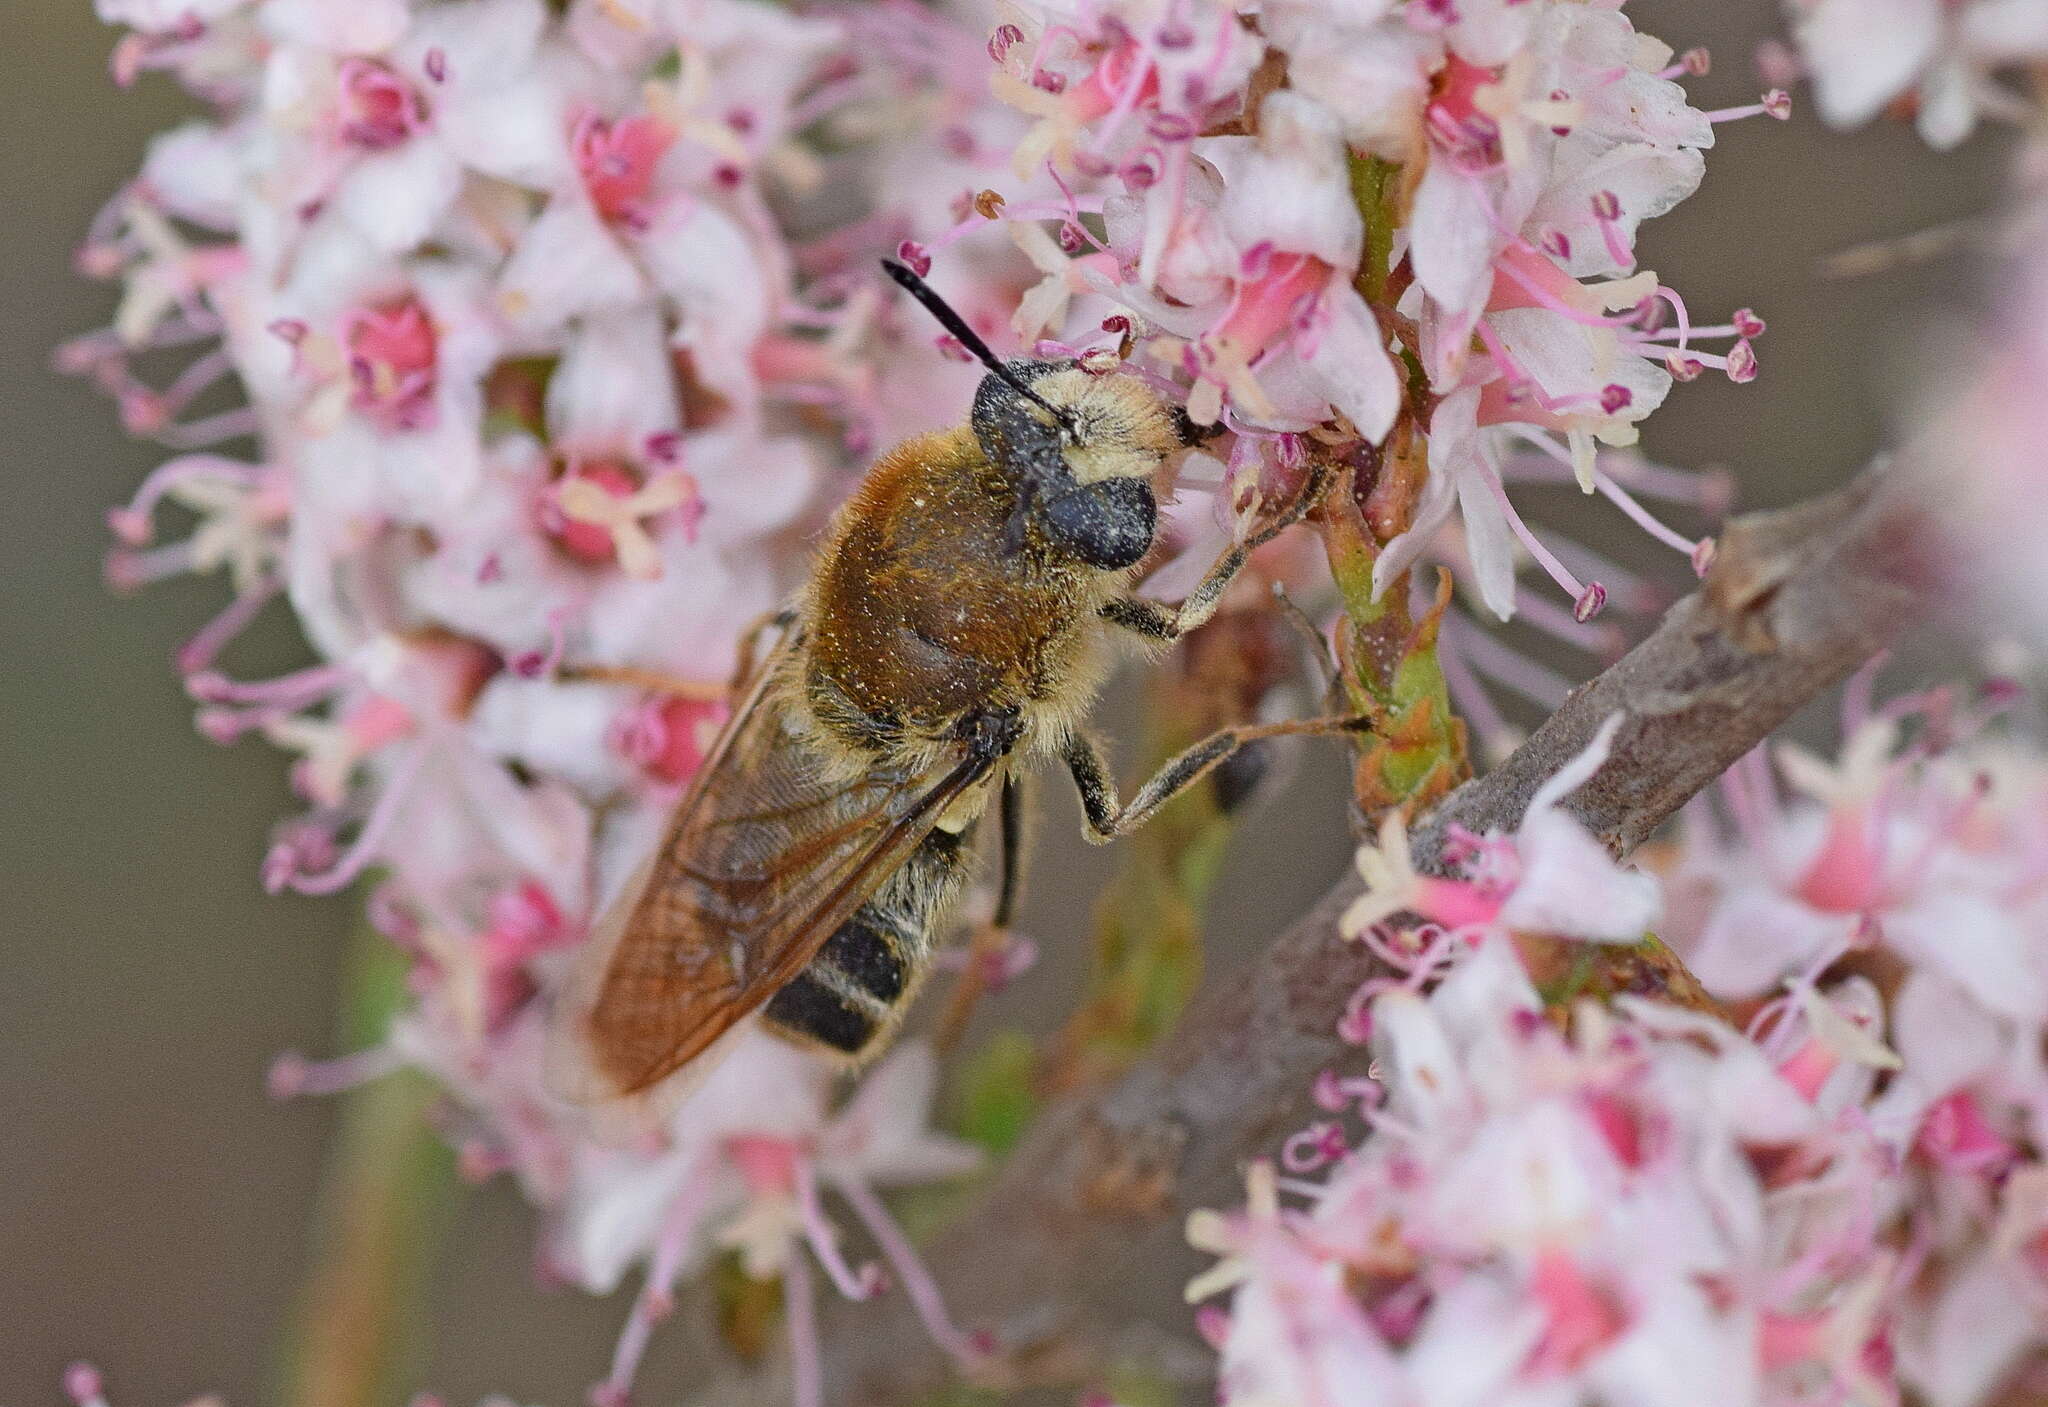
{"points": [[359, 854], [917, 1281]]}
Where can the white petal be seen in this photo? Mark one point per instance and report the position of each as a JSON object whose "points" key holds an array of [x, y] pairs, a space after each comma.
{"points": [[194, 170], [1452, 240], [559, 730], [482, 42], [1756, 935], [1948, 106], [1475, 1336], [1489, 541], [1864, 53], [615, 386], [1980, 945], [396, 197], [1453, 445], [1420, 1069], [338, 26], [1571, 885], [1288, 186], [567, 263], [1352, 362], [1982, 1321]]}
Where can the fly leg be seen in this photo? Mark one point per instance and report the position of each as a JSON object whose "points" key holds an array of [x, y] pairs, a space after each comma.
{"points": [[1155, 620], [1108, 818], [987, 945]]}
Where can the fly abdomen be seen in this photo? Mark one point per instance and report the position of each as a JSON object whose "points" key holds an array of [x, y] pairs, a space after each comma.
{"points": [[851, 995]]}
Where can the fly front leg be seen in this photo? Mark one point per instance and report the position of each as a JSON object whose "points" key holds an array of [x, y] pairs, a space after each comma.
{"points": [[1155, 620], [1108, 818], [750, 642]]}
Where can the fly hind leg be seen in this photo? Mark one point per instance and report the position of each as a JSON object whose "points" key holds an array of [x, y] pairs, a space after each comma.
{"points": [[1108, 818]]}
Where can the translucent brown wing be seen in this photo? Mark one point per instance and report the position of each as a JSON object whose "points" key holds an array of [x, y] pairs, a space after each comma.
{"points": [[763, 860]]}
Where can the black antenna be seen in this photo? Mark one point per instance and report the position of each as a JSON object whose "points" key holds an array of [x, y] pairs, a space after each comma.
{"points": [[966, 336]]}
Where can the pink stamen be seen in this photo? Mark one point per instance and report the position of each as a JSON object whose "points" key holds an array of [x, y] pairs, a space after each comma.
{"points": [[369, 839], [656, 1297], [1643, 517], [1607, 211], [132, 523], [1473, 701], [292, 1075], [1694, 62], [199, 652], [1313, 1148], [1507, 667], [823, 1238], [1741, 363], [1777, 103], [293, 691], [213, 430], [540, 664], [1552, 568], [806, 1363], [917, 1281]]}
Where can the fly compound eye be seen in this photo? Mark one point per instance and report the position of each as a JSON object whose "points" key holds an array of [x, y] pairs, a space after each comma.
{"points": [[1107, 525]]}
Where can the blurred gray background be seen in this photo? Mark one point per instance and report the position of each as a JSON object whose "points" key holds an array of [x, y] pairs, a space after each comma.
{"points": [[153, 1203]]}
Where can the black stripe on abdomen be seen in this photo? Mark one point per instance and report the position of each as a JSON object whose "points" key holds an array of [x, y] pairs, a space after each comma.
{"points": [[867, 956], [810, 1008]]}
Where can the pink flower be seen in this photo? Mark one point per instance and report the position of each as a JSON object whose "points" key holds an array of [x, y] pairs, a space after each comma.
{"points": [[1549, 877]]}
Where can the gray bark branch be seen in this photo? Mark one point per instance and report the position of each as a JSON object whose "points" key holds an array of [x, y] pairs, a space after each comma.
{"points": [[1074, 1256]]}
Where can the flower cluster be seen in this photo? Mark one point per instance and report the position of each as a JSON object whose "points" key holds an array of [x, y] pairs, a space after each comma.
{"points": [[1938, 61], [519, 347], [1910, 882], [1380, 218], [1560, 1201]]}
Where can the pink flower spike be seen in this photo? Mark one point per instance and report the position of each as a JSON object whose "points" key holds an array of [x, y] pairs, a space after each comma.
{"points": [[1313, 1148]]}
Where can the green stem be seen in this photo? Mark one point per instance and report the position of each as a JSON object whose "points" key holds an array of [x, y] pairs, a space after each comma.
{"points": [[360, 1321]]}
